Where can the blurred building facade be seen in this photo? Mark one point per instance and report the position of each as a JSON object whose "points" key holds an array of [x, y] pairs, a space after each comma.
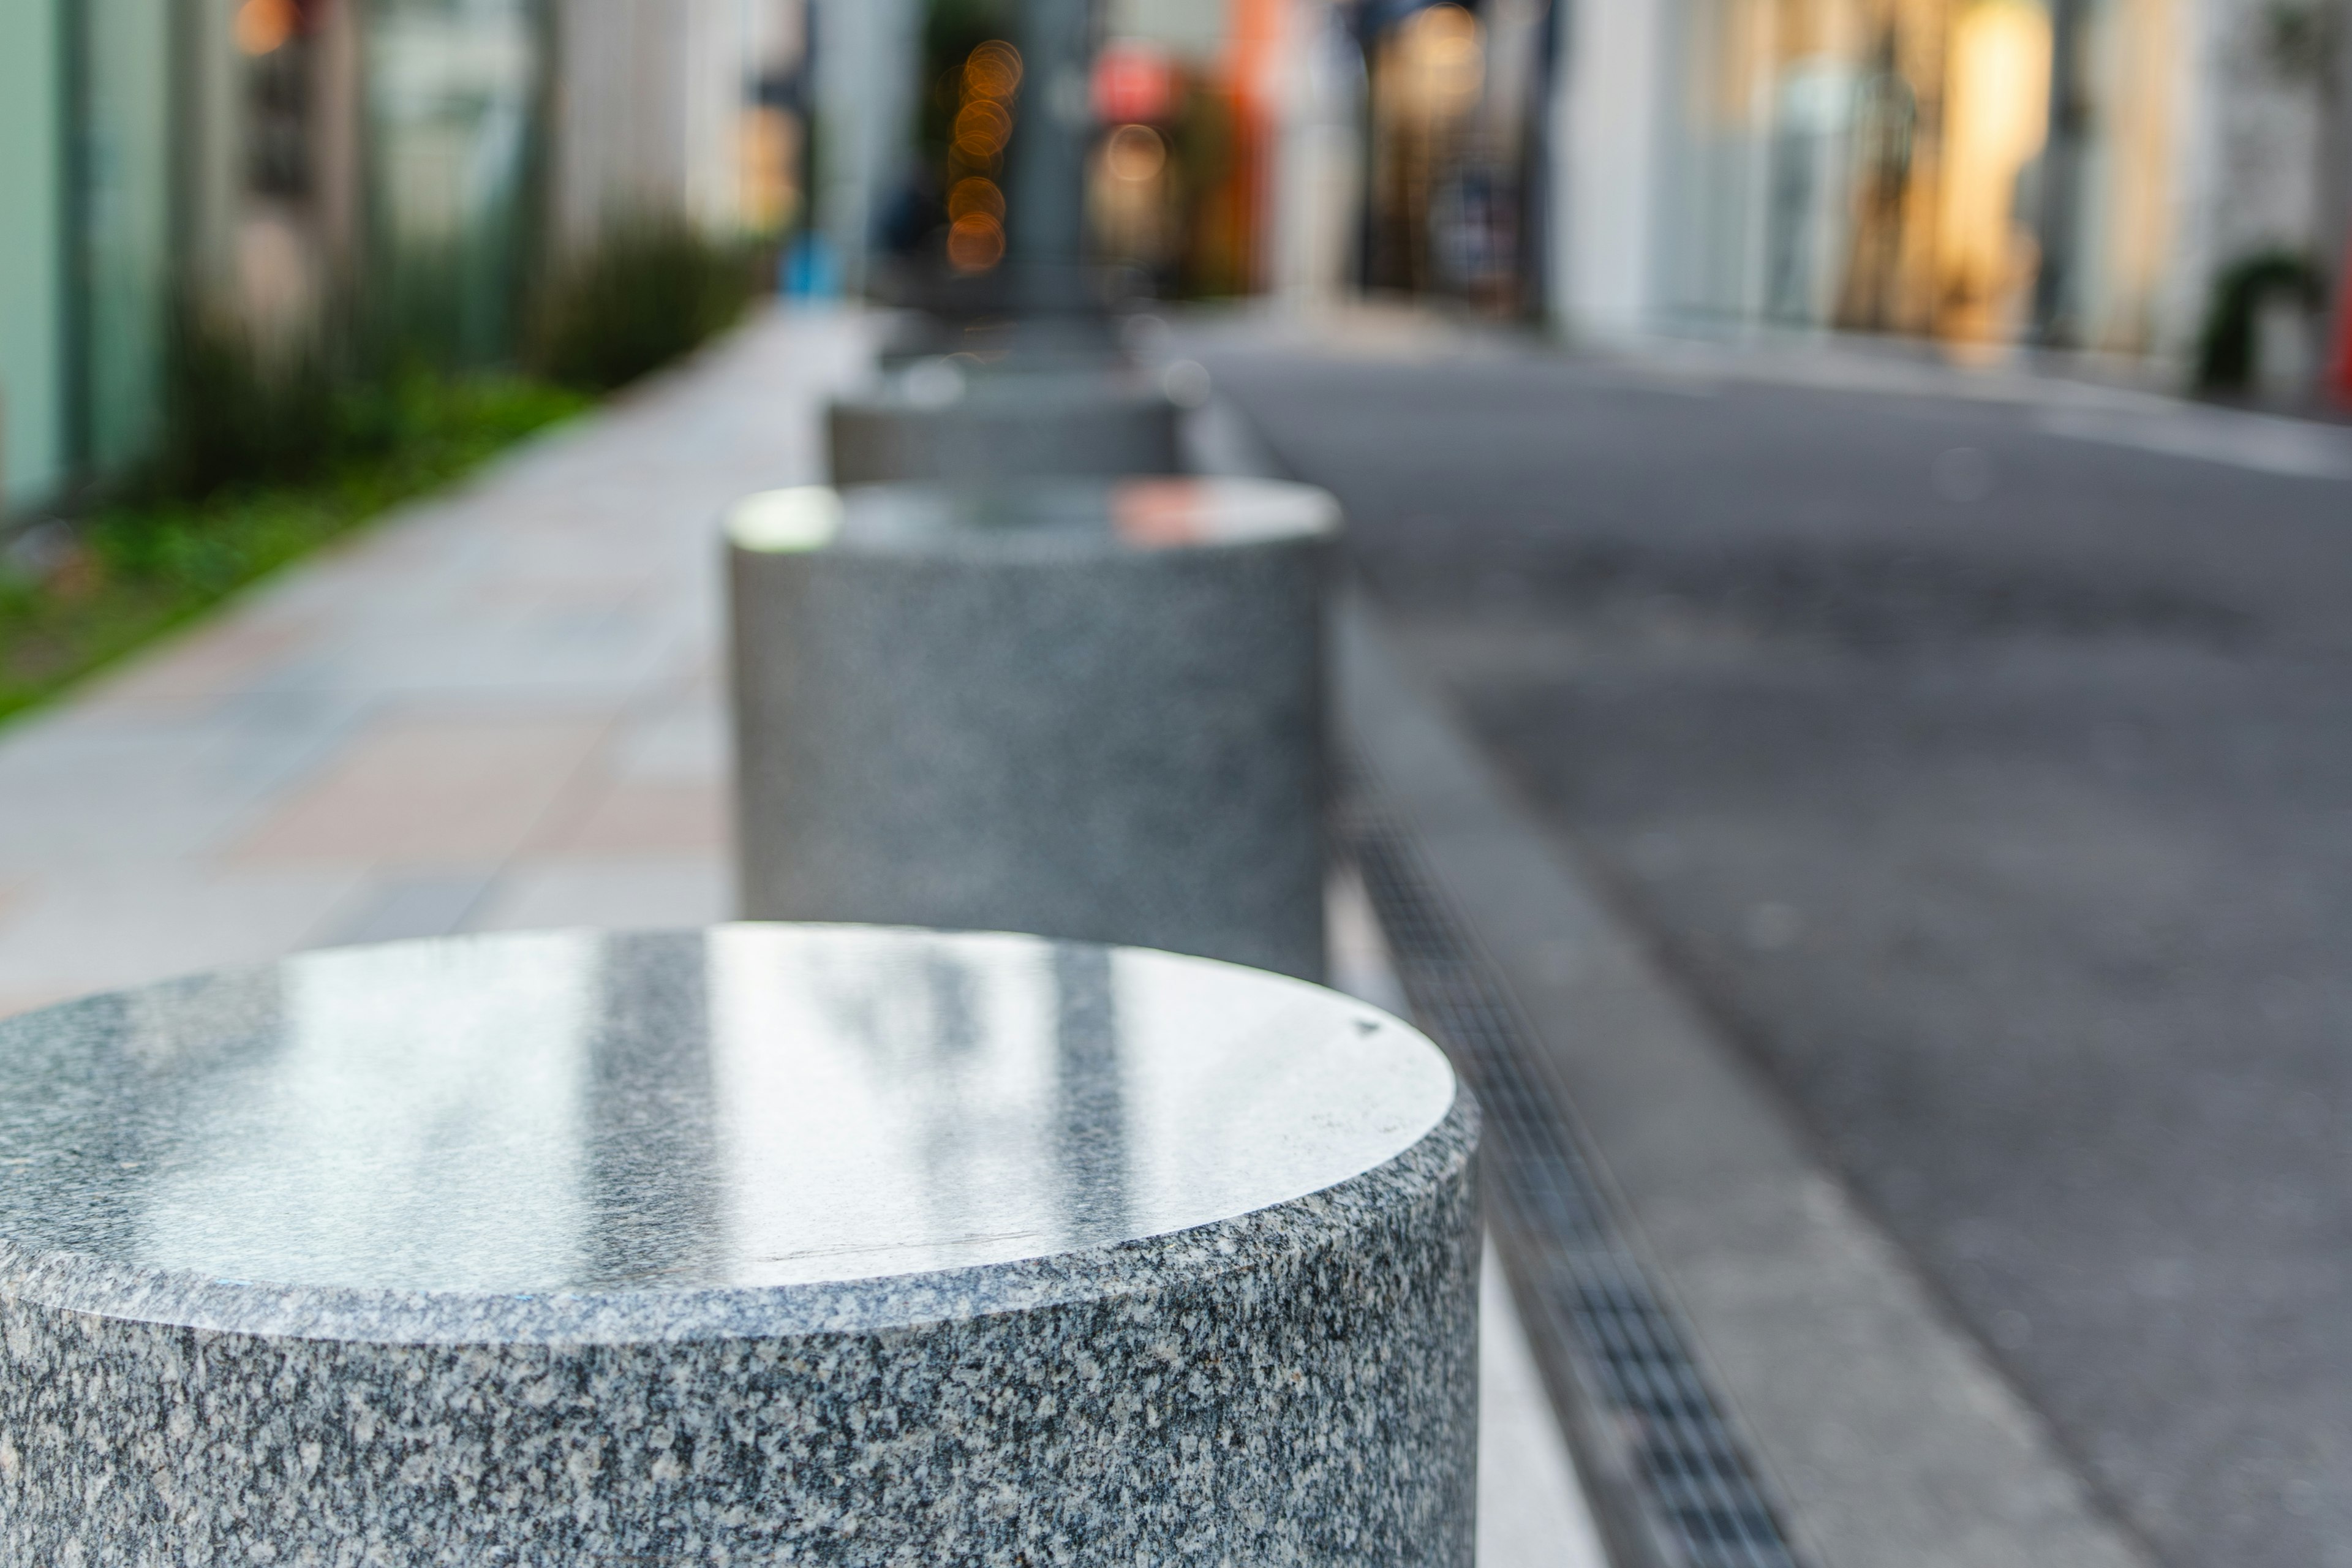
{"points": [[2074, 173], [2077, 174], [2070, 172], [292, 164]]}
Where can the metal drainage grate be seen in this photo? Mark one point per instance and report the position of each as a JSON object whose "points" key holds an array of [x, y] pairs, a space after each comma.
{"points": [[1640, 1415]]}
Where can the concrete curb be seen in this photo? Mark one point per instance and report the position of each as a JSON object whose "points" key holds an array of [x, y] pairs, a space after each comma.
{"points": [[1885, 1432], [1887, 1436]]}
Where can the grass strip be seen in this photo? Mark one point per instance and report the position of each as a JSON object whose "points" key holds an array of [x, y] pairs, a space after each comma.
{"points": [[134, 571]]}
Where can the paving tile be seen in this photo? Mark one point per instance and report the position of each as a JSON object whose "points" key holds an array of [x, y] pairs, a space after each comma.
{"points": [[430, 788], [103, 786], [682, 740], [622, 893], [210, 663], [635, 817], [497, 705], [524, 589], [398, 908], [103, 929], [563, 653]]}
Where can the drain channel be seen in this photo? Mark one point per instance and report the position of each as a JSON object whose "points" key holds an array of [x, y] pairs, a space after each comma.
{"points": [[1673, 1486]]}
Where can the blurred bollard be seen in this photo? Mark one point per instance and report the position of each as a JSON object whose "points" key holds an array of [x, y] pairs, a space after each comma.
{"points": [[987, 344], [936, 420], [1077, 709]]}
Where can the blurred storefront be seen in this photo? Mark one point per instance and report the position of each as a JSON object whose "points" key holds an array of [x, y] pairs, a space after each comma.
{"points": [[1975, 170], [1981, 173], [1318, 147], [1231, 147], [395, 169], [2077, 174], [2124, 176], [2121, 178]]}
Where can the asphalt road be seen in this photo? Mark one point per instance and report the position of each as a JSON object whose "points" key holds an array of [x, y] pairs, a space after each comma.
{"points": [[1993, 786]]}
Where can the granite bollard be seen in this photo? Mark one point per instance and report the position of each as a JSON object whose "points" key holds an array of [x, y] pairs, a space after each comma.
{"points": [[757, 1244], [1090, 710], [936, 419]]}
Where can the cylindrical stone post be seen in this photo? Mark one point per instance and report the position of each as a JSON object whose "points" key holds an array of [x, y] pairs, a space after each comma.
{"points": [[933, 420], [838, 1247], [1086, 710]]}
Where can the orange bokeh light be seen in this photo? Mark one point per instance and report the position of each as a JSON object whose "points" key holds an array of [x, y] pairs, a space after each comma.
{"points": [[992, 70], [1135, 152], [262, 26], [975, 243], [1158, 514], [975, 194], [983, 127]]}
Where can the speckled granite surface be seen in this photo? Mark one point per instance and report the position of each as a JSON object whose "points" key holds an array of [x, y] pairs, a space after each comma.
{"points": [[1089, 710], [525, 1251]]}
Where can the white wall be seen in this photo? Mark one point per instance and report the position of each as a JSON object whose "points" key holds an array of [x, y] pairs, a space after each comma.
{"points": [[32, 287], [2249, 158], [1608, 160], [869, 53], [650, 99], [1318, 184]]}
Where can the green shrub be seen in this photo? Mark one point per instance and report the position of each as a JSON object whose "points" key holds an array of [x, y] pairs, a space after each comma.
{"points": [[649, 292], [133, 569], [242, 412], [237, 411], [2225, 349]]}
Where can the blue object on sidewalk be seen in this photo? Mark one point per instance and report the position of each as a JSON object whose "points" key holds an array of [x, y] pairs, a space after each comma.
{"points": [[811, 271]]}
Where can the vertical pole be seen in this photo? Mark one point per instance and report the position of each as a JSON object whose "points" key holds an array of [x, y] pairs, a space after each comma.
{"points": [[74, 44], [1539, 299], [2061, 161], [865, 66], [2339, 369], [1049, 153], [2336, 198]]}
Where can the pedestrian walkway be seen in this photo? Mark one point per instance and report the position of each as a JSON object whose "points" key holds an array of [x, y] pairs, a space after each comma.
{"points": [[496, 708], [500, 708]]}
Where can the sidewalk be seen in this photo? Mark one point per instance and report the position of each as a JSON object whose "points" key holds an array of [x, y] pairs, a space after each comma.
{"points": [[501, 708], [498, 708]]}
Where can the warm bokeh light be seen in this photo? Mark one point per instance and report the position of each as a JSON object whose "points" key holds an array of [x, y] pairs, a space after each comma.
{"points": [[1135, 152], [983, 127], [263, 26], [1442, 63], [770, 143], [1996, 119], [975, 243], [1134, 80], [992, 70], [978, 195], [1158, 514]]}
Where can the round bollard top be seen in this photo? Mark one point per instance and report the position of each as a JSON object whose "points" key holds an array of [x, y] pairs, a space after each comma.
{"points": [[969, 383], [1032, 517], [749, 1130]]}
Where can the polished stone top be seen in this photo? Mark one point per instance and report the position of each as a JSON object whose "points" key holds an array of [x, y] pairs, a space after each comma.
{"points": [[995, 383], [1032, 516], [576, 1115]]}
